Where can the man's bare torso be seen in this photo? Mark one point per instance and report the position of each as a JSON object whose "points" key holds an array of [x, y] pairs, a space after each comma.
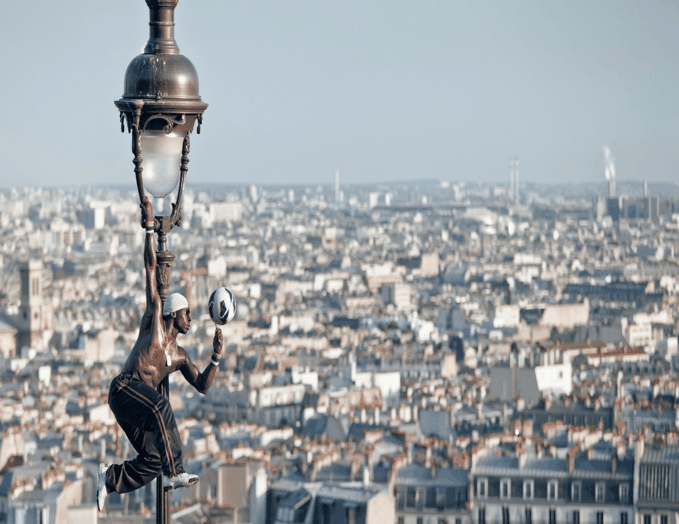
{"points": [[149, 356], [155, 353]]}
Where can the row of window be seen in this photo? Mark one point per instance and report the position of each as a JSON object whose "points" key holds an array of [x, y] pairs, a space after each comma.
{"points": [[433, 498], [664, 519], [528, 490], [573, 517], [327, 513], [420, 520]]}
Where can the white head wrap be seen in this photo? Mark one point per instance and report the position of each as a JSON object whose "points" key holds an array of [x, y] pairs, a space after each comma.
{"points": [[174, 302]]}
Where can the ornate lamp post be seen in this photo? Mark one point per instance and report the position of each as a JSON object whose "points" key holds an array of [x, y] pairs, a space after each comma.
{"points": [[160, 105]]}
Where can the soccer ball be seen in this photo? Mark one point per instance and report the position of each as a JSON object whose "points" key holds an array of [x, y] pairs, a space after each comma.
{"points": [[221, 306]]}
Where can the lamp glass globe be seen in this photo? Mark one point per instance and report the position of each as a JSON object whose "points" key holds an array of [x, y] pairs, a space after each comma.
{"points": [[161, 155]]}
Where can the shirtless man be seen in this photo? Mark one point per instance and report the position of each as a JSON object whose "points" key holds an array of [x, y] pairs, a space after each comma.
{"points": [[142, 412]]}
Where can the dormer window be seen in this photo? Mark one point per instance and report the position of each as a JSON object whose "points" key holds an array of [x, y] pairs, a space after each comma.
{"points": [[285, 514], [400, 499], [576, 488], [599, 491], [482, 488], [505, 488], [326, 513], [623, 492], [410, 497]]}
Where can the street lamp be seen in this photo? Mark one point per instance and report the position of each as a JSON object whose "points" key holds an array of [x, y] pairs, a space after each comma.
{"points": [[160, 105]]}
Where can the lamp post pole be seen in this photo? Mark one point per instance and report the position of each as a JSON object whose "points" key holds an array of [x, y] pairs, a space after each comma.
{"points": [[160, 105], [164, 265]]}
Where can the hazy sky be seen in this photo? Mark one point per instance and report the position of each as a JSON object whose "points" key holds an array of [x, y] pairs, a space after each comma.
{"points": [[380, 89]]}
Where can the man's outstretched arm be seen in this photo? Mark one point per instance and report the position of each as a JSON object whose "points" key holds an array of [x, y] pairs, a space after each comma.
{"points": [[153, 305], [203, 381]]}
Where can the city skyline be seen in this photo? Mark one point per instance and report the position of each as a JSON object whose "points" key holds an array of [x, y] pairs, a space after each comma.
{"points": [[381, 91], [411, 348]]}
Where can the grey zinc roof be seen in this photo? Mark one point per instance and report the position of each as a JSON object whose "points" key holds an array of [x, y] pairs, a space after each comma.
{"points": [[380, 474], [192, 515], [546, 464], [325, 425], [502, 462], [352, 495], [315, 426], [286, 485], [653, 415], [550, 467], [337, 471], [435, 423], [414, 475], [296, 498], [5, 326], [661, 455], [47, 496], [508, 383]]}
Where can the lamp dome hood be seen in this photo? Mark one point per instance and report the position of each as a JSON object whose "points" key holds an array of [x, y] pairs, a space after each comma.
{"points": [[161, 76]]}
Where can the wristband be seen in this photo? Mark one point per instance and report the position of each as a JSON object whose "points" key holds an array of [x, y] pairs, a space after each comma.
{"points": [[149, 230], [215, 362]]}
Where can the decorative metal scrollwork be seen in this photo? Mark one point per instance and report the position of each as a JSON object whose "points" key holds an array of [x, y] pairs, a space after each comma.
{"points": [[136, 149], [170, 122], [176, 217], [200, 121], [136, 141], [124, 117], [163, 267]]}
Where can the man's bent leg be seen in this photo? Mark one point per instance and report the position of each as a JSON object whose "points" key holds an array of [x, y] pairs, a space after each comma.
{"points": [[140, 405], [135, 473]]}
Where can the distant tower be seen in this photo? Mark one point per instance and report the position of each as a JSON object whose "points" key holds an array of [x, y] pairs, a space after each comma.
{"points": [[514, 179], [645, 189], [511, 178], [337, 188], [609, 171], [31, 321]]}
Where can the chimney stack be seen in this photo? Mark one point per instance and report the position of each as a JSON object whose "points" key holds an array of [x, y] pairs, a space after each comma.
{"points": [[520, 403], [523, 456], [571, 458]]}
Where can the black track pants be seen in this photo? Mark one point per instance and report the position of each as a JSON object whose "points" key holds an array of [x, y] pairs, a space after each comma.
{"points": [[147, 419]]}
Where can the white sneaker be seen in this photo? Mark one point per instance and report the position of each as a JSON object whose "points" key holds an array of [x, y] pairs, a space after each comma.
{"points": [[183, 480], [101, 486]]}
